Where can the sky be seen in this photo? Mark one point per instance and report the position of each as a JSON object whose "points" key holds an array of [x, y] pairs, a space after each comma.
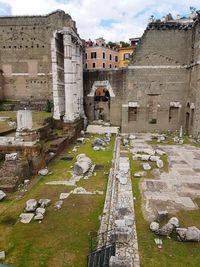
{"points": [[112, 19]]}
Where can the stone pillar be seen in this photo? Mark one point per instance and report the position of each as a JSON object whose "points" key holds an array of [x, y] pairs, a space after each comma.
{"points": [[57, 59], [68, 78], [24, 120], [80, 60]]}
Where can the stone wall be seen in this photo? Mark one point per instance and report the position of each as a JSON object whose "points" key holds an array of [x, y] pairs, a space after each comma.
{"points": [[159, 90], [25, 54]]}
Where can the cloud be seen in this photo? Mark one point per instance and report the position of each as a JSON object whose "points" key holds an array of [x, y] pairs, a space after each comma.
{"points": [[114, 20], [5, 9]]}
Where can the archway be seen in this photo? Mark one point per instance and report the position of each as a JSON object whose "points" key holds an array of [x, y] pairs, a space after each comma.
{"points": [[102, 104], [100, 96]]}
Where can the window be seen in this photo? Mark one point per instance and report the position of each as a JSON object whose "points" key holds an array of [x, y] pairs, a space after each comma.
{"points": [[86, 65], [93, 55], [104, 55], [132, 114], [104, 65], [110, 66], [126, 56], [116, 58], [86, 55], [93, 65], [110, 56]]}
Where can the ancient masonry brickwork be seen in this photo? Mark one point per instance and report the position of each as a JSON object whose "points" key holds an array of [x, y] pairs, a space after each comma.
{"points": [[40, 59], [160, 90]]}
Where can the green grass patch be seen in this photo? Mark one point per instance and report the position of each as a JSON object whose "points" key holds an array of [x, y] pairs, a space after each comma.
{"points": [[62, 237]]}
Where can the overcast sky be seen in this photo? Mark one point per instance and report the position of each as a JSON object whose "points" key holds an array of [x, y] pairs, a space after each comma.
{"points": [[112, 19]]}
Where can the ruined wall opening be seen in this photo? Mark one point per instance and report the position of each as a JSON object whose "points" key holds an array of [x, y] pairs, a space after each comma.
{"points": [[192, 117], [173, 114], [152, 109], [102, 104], [132, 113], [187, 120]]}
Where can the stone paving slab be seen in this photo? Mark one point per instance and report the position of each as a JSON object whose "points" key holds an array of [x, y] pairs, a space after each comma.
{"points": [[102, 129], [176, 189]]}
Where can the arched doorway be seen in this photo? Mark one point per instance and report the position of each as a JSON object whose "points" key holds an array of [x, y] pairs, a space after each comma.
{"points": [[102, 104]]}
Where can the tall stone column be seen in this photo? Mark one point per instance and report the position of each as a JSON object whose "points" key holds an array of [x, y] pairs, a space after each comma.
{"points": [[82, 113], [68, 78]]}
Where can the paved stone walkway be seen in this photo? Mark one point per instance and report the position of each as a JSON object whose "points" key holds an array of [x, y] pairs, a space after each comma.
{"points": [[176, 189], [118, 216]]}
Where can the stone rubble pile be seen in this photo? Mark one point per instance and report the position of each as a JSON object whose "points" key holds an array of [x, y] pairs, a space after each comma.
{"points": [[11, 157], [147, 154], [34, 210], [190, 234]]}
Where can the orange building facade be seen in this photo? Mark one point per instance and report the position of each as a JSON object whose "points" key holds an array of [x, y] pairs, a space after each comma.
{"points": [[98, 55]]}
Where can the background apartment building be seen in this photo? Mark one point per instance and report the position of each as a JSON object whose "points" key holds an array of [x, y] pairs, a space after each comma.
{"points": [[99, 55]]}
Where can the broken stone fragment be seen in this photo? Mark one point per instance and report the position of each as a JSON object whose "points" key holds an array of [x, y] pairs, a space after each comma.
{"points": [[162, 215], [26, 181], [166, 230], [2, 255], [64, 195], [2, 195], [158, 242], [140, 174], [145, 157], [26, 217], [154, 226], [58, 204], [174, 221], [160, 152], [132, 137], [98, 142], [125, 142], [81, 190], [82, 165], [159, 163], [44, 202], [31, 205], [80, 140], [146, 166], [43, 172], [188, 234], [96, 148], [38, 217], [136, 157], [41, 211], [11, 157], [154, 158]]}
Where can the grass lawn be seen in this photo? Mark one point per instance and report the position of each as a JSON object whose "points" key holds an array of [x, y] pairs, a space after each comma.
{"points": [[38, 119], [173, 253], [62, 237]]}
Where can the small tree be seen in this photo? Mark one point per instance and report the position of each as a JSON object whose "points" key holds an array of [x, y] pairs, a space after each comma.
{"points": [[49, 106], [124, 44]]}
